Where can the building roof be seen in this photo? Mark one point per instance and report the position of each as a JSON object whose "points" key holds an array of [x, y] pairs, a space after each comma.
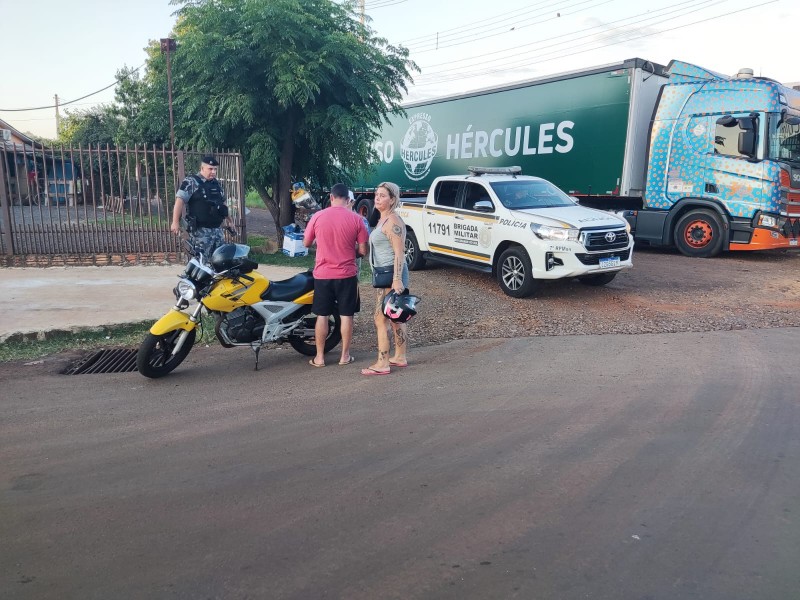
{"points": [[18, 138]]}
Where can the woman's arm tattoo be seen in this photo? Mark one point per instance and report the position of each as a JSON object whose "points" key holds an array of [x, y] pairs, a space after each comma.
{"points": [[396, 237]]}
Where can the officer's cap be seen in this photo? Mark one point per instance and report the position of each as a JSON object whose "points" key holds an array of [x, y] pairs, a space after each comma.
{"points": [[210, 160]]}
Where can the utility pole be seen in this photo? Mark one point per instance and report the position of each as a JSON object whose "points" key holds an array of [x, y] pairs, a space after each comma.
{"points": [[361, 7], [58, 117], [168, 47]]}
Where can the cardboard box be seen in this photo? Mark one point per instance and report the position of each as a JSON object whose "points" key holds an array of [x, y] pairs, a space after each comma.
{"points": [[293, 244]]}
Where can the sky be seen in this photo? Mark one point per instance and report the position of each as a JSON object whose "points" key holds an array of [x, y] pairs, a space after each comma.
{"points": [[73, 49]]}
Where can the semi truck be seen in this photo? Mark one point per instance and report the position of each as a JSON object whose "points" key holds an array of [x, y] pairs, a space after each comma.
{"points": [[689, 157]]}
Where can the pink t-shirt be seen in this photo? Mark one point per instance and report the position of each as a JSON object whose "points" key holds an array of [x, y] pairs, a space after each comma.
{"points": [[337, 230]]}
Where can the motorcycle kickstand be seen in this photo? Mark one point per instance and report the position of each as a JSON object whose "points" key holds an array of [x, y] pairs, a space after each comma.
{"points": [[256, 350]]}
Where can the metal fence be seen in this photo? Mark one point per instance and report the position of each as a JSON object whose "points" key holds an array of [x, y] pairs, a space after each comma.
{"points": [[99, 205]]}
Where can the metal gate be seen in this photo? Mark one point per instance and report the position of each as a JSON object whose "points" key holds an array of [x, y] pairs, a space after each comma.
{"points": [[95, 205]]}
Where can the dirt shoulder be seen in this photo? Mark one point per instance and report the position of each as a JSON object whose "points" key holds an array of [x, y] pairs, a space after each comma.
{"points": [[664, 292]]}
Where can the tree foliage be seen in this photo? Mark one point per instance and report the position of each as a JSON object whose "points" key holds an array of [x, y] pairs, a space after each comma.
{"points": [[300, 86], [138, 116], [97, 126], [141, 103]]}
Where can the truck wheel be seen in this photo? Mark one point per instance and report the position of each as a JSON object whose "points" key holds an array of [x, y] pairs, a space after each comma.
{"points": [[364, 208], [514, 273], [599, 279], [699, 233], [414, 258]]}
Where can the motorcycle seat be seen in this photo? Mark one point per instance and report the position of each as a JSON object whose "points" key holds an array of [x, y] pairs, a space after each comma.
{"points": [[289, 289]]}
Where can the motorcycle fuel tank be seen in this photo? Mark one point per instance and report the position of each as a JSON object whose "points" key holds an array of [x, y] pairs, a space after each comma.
{"points": [[229, 294]]}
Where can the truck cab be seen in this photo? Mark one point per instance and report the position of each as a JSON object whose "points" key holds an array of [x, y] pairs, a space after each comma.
{"points": [[520, 228], [724, 165]]}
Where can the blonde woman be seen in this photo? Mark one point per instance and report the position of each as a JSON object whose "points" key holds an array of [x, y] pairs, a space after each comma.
{"points": [[386, 245]]}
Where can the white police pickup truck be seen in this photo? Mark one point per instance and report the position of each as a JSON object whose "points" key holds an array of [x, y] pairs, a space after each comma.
{"points": [[522, 229]]}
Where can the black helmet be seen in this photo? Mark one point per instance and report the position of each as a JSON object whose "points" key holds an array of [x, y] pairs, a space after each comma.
{"points": [[399, 308], [229, 256]]}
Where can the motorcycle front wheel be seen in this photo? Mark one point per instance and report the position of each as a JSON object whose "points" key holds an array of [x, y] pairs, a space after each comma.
{"points": [[302, 338], [155, 357]]}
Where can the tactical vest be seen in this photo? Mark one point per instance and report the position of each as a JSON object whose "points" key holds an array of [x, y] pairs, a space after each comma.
{"points": [[207, 205]]}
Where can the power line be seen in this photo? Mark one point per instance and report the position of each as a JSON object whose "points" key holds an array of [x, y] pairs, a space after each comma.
{"points": [[382, 3], [460, 75], [472, 24], [60, 104], [649, 15], [522, 60], [486, 32]]}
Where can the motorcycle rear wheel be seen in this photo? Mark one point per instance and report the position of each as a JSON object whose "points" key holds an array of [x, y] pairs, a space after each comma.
{"points": [[155, 359], [304, 343]]}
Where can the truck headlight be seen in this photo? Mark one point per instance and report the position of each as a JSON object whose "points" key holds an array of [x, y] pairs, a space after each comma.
{"points": [[557, 234], [186, 290], [767, 221]]}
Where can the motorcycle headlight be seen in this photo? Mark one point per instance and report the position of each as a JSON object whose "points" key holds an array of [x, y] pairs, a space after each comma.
{"points": [[186, 290], [558, 234]]}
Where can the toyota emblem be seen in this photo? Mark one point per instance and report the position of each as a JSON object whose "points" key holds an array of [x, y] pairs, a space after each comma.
{"points": [[611, 236]]}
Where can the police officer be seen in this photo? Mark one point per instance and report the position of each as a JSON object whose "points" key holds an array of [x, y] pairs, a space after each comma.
{"points": [[206, 209]]}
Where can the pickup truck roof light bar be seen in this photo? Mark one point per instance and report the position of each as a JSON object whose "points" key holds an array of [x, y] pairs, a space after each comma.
{"points": [[494, 170]]}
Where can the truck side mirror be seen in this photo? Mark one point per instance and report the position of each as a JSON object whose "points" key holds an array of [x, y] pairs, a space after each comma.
{"points": [[747, 143], [484, 206], [747, 137]]}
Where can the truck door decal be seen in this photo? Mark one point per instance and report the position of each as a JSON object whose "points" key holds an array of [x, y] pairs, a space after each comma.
{"points": [[467, 254]]}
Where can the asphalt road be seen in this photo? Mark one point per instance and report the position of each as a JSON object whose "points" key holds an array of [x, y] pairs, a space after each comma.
{"points": [[615, 467]]}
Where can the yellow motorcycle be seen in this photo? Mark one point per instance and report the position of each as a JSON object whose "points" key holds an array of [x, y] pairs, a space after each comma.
{"points": [[249, 310]]}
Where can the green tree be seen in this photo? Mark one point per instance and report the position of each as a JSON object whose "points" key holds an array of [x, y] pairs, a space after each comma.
{"points": [[141, 102], [300, 86], [97, 126]]}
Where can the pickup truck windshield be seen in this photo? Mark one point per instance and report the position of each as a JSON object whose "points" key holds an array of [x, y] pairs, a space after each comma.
{"points": [[784, 139], [526, 193]]}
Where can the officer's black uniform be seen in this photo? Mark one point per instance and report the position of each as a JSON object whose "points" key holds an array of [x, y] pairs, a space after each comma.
{"points": [[206, 209], [206, 206]]}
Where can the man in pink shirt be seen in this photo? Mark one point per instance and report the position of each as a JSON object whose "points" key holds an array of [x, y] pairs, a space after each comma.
{"points": [[341, 238]]}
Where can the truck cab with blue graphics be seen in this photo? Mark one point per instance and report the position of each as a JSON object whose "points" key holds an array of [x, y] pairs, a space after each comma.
{"points": [[723, 164], [691, 158]]}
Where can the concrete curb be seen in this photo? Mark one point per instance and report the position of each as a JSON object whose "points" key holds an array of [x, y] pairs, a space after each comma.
{"points": [[68, 300]]}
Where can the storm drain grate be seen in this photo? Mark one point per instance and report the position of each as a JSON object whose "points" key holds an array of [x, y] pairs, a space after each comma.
{"points": [[105, 361]]}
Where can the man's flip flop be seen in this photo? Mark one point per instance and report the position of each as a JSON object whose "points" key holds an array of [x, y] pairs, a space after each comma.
{"points": [[348, 361], [313, 364], [369, 371], [397, 364]]}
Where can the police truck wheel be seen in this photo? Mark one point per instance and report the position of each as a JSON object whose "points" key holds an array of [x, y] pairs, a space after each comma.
{"points": [[302, 338], [699, 233], [155, 359], [514, 273], [414, 258]]}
